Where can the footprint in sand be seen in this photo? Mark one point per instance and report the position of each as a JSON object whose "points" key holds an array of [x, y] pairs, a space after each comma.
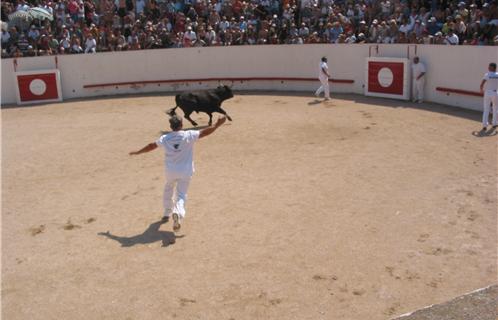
{"points": [[90, 220], [472, 216], [434, 283], [359, 292], [390, 270], [319, 277], [437, 251], [423, 237], [410, 276], [70, 226], [185, 301], [37, 230], [366, 114]]}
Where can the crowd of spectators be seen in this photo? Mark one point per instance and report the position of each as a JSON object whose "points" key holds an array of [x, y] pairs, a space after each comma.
{"points": [[88, 26]]}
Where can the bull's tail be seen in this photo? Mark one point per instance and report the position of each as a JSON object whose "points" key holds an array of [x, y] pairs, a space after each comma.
{"points": [[171, 112]]}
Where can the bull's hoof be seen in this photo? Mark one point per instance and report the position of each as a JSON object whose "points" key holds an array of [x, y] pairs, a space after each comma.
{"points": [[230, 119]]}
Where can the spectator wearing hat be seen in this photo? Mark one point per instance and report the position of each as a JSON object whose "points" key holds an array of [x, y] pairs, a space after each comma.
{"points": [[392, 32], [383, 32], [374, 32], [418, 28], [432, 26], [31, 52], [439, 38]]}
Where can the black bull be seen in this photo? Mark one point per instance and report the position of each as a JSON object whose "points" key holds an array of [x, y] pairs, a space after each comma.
{"points": [[207, 101]]}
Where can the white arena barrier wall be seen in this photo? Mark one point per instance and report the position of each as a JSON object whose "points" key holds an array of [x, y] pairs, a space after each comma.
{"points": [[279, 68]]}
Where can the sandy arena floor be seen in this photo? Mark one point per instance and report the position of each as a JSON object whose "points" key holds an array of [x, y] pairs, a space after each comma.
{"points": [[355, 209]]}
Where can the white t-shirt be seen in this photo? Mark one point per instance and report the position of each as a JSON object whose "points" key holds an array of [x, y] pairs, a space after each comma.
{"points": [[417, 69], [452, 40], [179, 151], [491, 84], [321, 74]]}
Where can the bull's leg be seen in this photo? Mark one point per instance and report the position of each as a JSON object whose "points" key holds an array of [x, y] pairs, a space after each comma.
{"points": [[224, 113], [187, 116], [210, 119]]}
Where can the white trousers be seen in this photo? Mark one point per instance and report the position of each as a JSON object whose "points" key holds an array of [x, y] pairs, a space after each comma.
{"points": [[490, 99], [324, 88], [175, 194], [418, 89]]}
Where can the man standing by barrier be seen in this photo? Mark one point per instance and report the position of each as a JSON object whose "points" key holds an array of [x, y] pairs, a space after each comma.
{"points": [[418, 74], [323, 76], [179, 150], [489, 87]]}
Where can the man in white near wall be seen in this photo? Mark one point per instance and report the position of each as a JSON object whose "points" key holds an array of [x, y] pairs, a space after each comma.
{"points": [[489, 86], [418, 74], [323, 76], [179, 150]]}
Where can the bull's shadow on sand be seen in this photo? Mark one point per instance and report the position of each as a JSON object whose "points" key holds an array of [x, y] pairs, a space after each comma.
{"points": [[150, 235]]}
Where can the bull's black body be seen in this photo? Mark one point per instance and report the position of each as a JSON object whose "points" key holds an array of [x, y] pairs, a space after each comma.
{"points": [[208, 101]]}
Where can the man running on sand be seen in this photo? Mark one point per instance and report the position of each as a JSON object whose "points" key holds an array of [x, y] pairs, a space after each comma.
{"points": [[179, 149]]}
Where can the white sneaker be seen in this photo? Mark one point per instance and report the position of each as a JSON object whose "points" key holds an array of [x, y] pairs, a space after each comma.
{"points": [[176, 222]]}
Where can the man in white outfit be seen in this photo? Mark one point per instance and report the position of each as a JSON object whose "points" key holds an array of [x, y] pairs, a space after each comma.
{"points": [[489, 86], [418, 74], [323, 76], [178, 146]]}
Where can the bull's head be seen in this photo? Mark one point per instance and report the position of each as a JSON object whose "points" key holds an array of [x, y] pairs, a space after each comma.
{"points": [[224, 92]]}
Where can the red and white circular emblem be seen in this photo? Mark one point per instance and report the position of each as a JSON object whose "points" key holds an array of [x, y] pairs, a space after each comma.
{"points": [[385, 77], [38, 87]]}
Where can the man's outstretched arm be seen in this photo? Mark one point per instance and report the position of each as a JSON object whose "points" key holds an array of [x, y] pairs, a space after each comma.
{"points": [[151, 146], [206, 132]]}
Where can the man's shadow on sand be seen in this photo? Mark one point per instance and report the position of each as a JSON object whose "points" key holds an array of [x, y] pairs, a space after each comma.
{"points": [[150, 235]]}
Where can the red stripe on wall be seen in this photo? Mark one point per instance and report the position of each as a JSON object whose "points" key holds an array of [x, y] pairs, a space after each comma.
{"points": [[458, 91], [88, 86]]}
